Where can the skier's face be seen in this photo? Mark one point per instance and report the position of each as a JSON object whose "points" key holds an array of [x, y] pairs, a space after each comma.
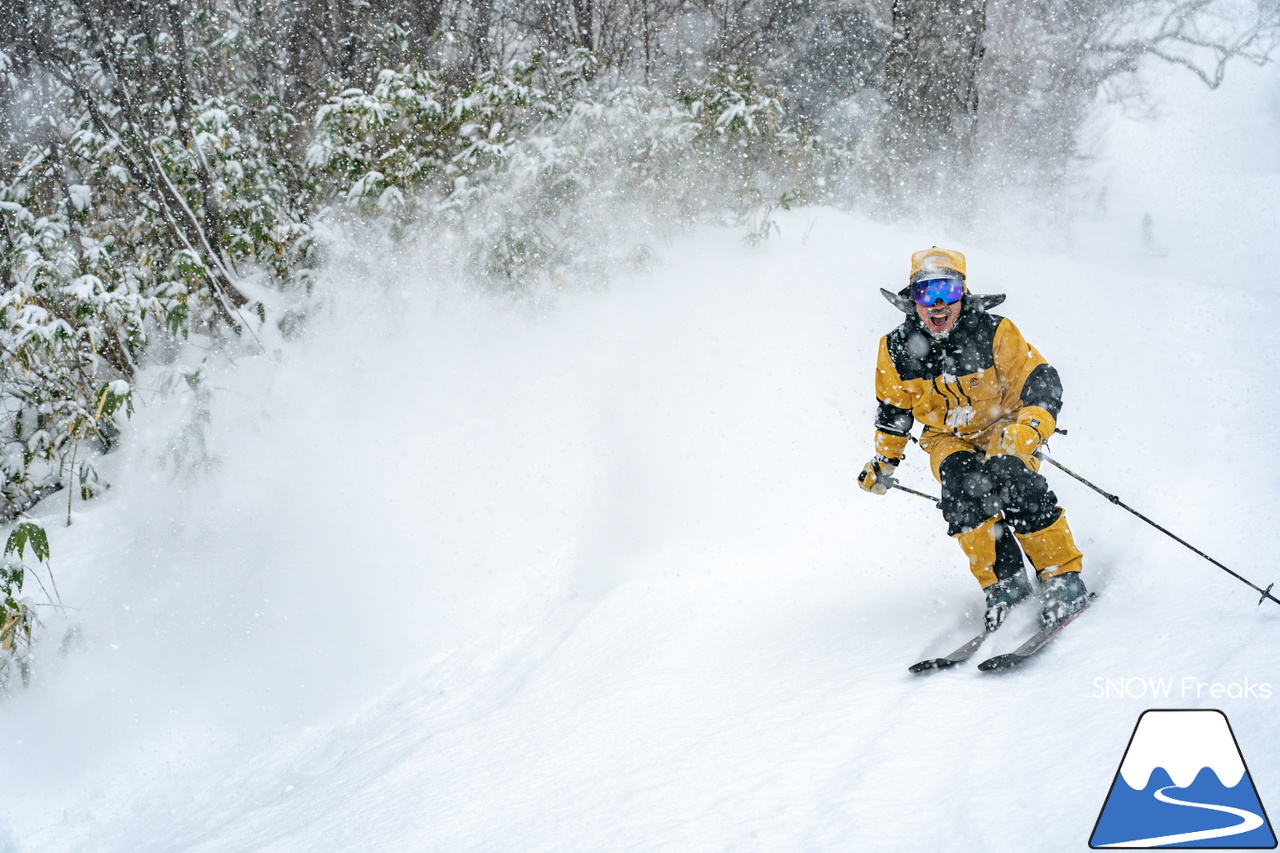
{"points": [[939, 318]]}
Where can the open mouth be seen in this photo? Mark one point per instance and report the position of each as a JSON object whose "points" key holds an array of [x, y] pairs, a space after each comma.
{"points": [[939, 320]]}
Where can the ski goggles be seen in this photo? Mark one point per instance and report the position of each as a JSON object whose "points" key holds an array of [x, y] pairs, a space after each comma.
{"points": [[928, 292]]}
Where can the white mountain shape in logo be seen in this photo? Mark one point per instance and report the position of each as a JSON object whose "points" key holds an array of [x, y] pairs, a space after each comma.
{"points": [[1183, 743]]}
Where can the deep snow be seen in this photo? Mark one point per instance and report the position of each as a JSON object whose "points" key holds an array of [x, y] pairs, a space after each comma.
{"points": [[598, 577]]}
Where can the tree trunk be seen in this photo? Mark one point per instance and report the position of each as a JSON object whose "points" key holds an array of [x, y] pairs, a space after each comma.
{"points": [[481, 44], [583, 20], [425, 16], [931, 79], [183, 99]]}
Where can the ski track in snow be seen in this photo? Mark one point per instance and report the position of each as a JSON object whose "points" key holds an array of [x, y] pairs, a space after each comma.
{"points": [[600, 578]]}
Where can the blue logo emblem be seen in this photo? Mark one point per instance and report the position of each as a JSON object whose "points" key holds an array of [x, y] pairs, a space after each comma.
{"points": [[1183, 783]]}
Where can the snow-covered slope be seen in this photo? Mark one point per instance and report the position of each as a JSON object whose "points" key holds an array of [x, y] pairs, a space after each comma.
{"points": [[599, 578]]}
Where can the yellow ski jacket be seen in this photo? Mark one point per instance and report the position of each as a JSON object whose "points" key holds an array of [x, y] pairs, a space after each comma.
{"points": [[965, 388]]}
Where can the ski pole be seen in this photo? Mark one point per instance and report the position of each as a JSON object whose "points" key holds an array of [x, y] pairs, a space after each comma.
{"points": [[893, 484], [1266, 593]]}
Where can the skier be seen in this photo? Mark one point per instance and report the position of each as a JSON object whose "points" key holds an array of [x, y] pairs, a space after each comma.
{"points": [[987, 400]]}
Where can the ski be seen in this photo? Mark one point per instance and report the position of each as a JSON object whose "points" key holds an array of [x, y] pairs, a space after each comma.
{"points": [[1035, 643], [961, 654]]}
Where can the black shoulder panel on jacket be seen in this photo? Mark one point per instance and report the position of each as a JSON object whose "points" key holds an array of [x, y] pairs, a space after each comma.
{"points": [[967, 349], [1043, 388]]}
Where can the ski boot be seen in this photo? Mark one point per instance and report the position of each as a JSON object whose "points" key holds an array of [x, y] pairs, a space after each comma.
{"points": [[1002, 596], [1061, 596]]}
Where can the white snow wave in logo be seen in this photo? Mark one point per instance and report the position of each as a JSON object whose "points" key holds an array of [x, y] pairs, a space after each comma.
{"points": [[1248, 822]]}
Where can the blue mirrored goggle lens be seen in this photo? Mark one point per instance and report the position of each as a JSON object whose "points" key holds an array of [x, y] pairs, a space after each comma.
{"points": [[928, 292]]}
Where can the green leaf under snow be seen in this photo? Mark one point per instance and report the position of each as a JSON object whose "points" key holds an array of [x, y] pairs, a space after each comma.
{"points": [[28, 532]]}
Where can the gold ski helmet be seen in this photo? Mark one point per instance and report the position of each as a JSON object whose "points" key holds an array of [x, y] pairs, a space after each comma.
{"points": [[937, 263], [934, 263]]}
